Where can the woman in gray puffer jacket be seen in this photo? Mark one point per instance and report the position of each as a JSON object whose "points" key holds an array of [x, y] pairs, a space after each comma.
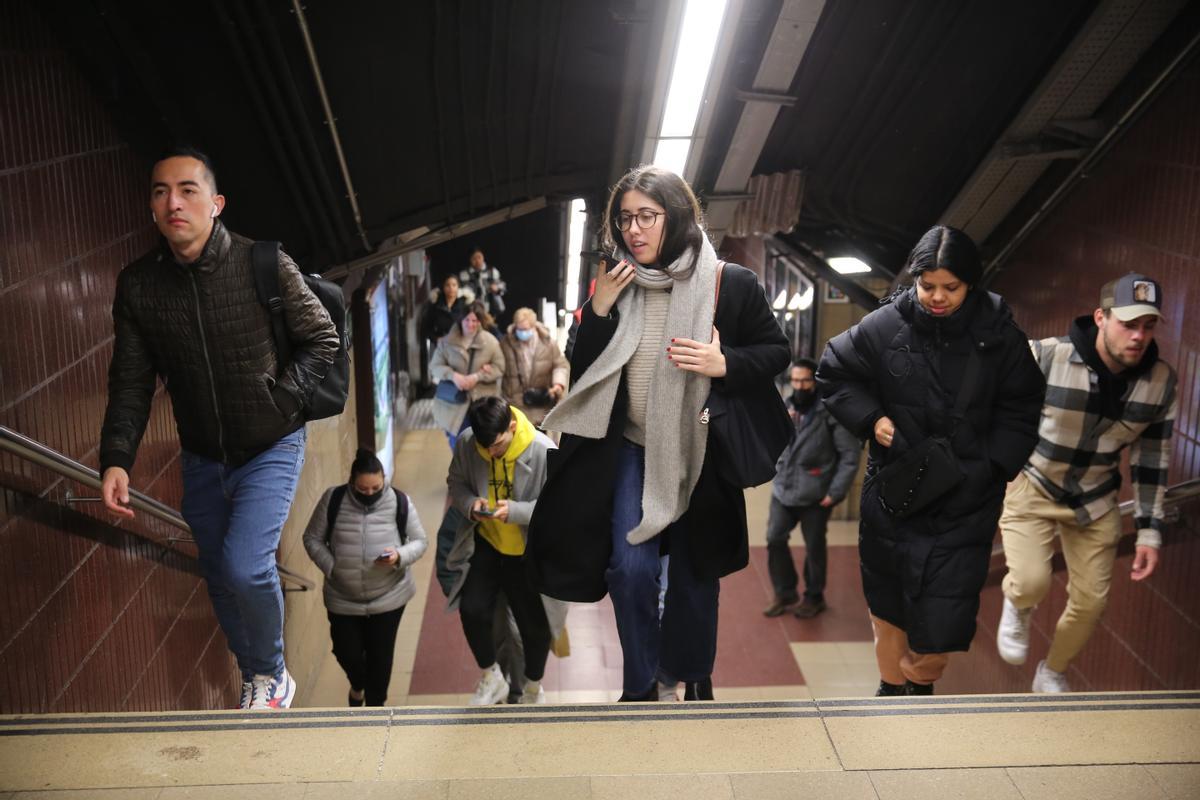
{"points": [[365, 558]]}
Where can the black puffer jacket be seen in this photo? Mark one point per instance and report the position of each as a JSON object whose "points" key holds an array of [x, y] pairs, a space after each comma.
{"points": [[201, 327], [924, 574]]}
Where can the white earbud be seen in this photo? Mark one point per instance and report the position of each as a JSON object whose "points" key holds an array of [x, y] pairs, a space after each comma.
{"points": [[214, 211], [153, 217]]}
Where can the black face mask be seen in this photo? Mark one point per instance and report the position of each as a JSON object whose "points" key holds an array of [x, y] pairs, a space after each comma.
{"points": [[803, 399], [367, 500]]}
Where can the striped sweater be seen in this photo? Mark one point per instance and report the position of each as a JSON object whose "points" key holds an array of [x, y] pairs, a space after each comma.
{"points": [[1078, 456]]}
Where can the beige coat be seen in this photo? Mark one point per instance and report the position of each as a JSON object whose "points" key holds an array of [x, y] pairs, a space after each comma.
{"points": [[549, 367], [454, 354]]}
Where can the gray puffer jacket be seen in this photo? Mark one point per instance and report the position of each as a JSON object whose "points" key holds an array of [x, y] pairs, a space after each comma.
{"points": [[821, 460], [355, 583]]}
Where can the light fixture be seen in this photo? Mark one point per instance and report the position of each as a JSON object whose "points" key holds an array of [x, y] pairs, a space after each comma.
{"points": [[788, 316], [848, 265], [577, 220], [780, 300], [689, 75], [806, 299], [794, 303]]}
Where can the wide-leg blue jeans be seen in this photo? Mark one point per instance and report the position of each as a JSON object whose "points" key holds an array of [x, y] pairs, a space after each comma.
{"points": [[682, 646], [237, 515]]}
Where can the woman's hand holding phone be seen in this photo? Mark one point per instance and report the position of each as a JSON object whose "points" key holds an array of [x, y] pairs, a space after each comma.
{"points": [[611, 281], [388, 557]]}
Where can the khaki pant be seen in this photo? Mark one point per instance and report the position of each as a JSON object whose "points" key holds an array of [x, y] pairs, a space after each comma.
{"points": [[897, 663], [1028, 526]]}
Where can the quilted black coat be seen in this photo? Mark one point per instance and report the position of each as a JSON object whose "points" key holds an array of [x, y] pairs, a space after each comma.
{"points": [[201, 328], [924, 574]]}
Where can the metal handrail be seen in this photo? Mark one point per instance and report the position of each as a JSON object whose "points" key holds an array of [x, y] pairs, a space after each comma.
{"points": [[36, 452]]}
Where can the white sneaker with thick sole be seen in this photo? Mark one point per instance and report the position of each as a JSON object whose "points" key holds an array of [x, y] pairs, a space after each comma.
{"points": [[533, 694], [491, 689], [271, 691], [1012, 635], [1047, 681]]}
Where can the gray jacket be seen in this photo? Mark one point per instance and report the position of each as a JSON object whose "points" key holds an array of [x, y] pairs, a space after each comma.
{"points": [[468, 481], [821, 460], [355, 584]]}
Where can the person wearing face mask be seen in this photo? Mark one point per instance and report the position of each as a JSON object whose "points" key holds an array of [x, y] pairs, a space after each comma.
{"points": [[940, 375], [812, 476], [638, 475], [535, 376], [364, 536], [467, 364]]}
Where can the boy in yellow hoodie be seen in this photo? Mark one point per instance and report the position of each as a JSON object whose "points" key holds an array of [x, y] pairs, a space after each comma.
{"points": [[495, 477]]}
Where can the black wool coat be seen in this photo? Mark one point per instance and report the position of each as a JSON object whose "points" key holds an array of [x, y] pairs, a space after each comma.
{"points": [[924, 573], [570, 535]]}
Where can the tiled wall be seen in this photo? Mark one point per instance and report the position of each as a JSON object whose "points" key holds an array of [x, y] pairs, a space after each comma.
{"points": [[1138, 211], [91, 616]]}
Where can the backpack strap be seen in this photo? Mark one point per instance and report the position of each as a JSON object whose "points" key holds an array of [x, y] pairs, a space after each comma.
{"points": [[335, 503], [265, 257], [717, 298], [401, 515]]}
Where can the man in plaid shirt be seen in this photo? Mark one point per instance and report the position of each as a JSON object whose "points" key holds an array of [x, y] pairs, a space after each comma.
{"points": [[1106, 390]]}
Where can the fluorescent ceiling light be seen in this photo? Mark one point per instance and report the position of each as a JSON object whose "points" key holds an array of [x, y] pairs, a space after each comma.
{"points": [[794, 303], [672, 154], [578, 218], [780, 300], [848, 265], [693, 59], [806, 299]]}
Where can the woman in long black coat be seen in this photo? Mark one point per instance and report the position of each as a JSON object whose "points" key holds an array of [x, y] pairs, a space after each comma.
{"points": [[894, 378], [635, 475]]}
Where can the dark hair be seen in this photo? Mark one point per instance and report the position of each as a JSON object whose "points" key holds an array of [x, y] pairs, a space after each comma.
{"points": [[683, 219], [187, 151], [365, 463], [489, 417], [448, 277], [477, 249], [804, 363], [943, 247]]}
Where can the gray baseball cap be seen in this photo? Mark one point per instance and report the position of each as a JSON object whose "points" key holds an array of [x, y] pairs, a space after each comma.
{"points": [[1132, 296]]}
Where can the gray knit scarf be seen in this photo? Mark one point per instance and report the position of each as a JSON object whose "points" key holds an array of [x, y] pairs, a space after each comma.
{"points": [[676, 441]]}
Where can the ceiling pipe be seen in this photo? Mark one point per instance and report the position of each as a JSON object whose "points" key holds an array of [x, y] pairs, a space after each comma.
{"points": [[330, 121], [1126, 120]]}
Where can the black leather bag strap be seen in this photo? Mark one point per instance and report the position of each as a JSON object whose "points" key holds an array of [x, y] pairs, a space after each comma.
{"points": [[335, 503], [965, 392], [265, 257]]}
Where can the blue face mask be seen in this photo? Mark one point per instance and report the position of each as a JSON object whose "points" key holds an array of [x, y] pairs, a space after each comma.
{"points": [[524, 335]]}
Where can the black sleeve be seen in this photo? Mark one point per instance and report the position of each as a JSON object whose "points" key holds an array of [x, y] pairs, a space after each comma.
{"points": [[1017, 408], [846, 379], [594, 335], [752, 342], [131, 376]]}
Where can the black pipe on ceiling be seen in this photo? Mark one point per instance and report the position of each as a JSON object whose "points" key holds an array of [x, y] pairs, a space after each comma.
{"points": [[439, 134]]}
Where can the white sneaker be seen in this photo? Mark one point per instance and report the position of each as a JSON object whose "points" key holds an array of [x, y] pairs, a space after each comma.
{"points": [[247, 694], [668, 692], [1012, 635], [272, 691], [533, 694], [1047, 681], [491, 689]]}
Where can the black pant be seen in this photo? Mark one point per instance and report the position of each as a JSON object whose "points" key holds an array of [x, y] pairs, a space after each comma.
{"points": [[490, 573], [813, 521], [364, 647]]}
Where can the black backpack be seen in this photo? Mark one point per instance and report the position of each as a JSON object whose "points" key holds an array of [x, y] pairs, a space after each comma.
{"points": [[335, 503], [329, 398]]}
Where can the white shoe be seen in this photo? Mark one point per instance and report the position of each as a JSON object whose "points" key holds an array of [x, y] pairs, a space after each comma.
{"points": [[272, 691], [247, 693], [1047, 681], [668, 692], [533, 694], [491, 689], [1012, 636]]}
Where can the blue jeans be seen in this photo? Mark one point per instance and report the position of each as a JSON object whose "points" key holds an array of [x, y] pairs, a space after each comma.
{"points": [[237, 515], [682, 646]]}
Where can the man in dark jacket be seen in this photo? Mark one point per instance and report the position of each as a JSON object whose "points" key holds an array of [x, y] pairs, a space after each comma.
{"points": [[188, 312], [812, 476]]}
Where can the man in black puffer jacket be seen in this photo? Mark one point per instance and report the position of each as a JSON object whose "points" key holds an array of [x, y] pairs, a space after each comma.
{"points": [[188, 312]]}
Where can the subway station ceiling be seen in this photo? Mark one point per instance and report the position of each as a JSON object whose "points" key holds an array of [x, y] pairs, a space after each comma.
{"points": [[449, 110]]}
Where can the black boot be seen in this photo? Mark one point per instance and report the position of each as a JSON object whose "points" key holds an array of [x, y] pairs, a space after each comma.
{"points": [[699, 690], [889, 689], [649, 697], [917, 689]]}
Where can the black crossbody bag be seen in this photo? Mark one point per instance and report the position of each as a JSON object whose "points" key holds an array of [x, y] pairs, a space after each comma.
{"points": [[930, 470]]}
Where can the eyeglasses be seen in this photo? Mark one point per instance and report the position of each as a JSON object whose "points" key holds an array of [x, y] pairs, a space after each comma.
{"points": [[645, 219]]}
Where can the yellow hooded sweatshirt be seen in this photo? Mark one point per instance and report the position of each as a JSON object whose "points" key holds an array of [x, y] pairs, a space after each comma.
{"points": [[504, 536]]}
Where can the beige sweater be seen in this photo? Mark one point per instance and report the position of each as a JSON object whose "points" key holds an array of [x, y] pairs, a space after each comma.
{"points": [[640, 367]]}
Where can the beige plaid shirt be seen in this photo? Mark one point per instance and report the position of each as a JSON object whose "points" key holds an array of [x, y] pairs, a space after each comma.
{"points": [[1078, 455]]}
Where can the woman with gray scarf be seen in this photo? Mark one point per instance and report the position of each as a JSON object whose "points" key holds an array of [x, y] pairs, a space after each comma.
{"points": [[636, 474]]}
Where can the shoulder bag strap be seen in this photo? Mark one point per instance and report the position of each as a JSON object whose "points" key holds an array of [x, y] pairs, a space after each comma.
{"points": [[265, 259], [335, 503], [401, 515]]}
